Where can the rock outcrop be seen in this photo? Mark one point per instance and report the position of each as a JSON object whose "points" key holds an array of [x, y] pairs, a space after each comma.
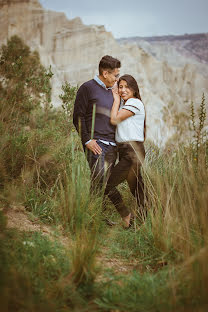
{"points": [[74, 50], [176, 50]]}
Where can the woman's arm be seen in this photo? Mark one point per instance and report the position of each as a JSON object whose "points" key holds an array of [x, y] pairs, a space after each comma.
{"points": [[116, 116]]}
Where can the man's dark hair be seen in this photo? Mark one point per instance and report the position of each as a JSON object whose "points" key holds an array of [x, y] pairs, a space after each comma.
{"points": [[108, 62]]}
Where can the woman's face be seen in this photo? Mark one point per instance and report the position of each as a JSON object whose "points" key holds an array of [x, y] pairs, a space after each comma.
{"points": [[124, 91]]}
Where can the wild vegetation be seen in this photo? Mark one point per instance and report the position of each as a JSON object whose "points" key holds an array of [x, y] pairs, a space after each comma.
{"points": [[162, 263]]}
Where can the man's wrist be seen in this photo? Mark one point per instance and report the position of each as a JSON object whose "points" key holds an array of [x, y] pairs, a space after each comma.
{"points": [[88, 142]]}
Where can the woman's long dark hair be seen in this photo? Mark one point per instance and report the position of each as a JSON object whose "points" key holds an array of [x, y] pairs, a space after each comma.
{"points": [[132, 84]]}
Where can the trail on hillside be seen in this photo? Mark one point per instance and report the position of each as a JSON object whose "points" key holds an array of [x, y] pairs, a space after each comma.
{"points": [[19, 218]]}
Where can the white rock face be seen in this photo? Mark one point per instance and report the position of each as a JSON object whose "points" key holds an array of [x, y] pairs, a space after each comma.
{"points": [[74, 50], [175, 52]]}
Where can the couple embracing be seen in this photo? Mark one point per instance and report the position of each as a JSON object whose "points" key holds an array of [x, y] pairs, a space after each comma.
{"points": [[110, 118]]}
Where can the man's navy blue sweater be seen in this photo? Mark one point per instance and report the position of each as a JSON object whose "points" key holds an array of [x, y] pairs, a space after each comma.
{"points": [[91, 93]]}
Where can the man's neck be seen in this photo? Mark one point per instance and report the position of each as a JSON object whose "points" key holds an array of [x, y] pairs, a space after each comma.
{"points": [[102, 79]]}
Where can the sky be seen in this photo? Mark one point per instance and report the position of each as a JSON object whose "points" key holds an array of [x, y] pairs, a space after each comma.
{"points": [[128, 18]]}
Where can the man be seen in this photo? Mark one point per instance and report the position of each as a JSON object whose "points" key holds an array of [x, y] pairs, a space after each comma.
{"points": [[91, 118]]}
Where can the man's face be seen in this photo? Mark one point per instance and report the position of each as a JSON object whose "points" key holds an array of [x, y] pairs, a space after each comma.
{"points": [[111, 77]]}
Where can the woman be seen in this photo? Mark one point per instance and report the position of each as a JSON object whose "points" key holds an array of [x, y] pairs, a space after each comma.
{"points": [[130, 135]]}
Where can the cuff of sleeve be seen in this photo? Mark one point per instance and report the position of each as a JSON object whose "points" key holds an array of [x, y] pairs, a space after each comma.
{"points": [[88, 142], [132, 109]]}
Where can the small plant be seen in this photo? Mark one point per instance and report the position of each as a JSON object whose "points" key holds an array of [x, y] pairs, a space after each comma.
{"points": [[68, 97], [199, 133]]}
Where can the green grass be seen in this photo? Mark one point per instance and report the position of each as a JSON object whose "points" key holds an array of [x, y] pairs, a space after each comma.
{"points": [[30, 264], [137, 292], [139, 244]]}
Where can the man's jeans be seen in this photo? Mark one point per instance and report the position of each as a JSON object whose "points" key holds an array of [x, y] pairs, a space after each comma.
{"points": [[101, 167]]}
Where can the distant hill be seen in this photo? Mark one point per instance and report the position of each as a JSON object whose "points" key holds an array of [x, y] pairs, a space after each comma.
{"points": [[189, 45]]}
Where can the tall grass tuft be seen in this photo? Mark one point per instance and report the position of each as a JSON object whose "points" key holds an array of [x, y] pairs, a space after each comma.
{"points": [[81, 215], [83, 257]]}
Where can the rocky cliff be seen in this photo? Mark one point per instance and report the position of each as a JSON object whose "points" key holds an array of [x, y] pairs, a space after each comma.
{"points": [[175, 50], [74, 50]]}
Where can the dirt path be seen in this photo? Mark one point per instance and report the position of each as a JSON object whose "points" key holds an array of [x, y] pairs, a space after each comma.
{"points": [[118, 265], [18, 217]]}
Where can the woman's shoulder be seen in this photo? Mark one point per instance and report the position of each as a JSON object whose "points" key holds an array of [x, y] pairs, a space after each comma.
{"points": [[134, 101]]}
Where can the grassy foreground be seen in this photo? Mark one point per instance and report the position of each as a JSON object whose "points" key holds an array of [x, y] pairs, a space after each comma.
{"points": [[162, 262]]}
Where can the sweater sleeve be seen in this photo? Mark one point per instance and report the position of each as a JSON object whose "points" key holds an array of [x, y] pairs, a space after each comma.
{"points": [[79, 115]]}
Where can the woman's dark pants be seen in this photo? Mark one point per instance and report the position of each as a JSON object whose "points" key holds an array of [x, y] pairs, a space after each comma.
{"points": [[131, 157]]}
